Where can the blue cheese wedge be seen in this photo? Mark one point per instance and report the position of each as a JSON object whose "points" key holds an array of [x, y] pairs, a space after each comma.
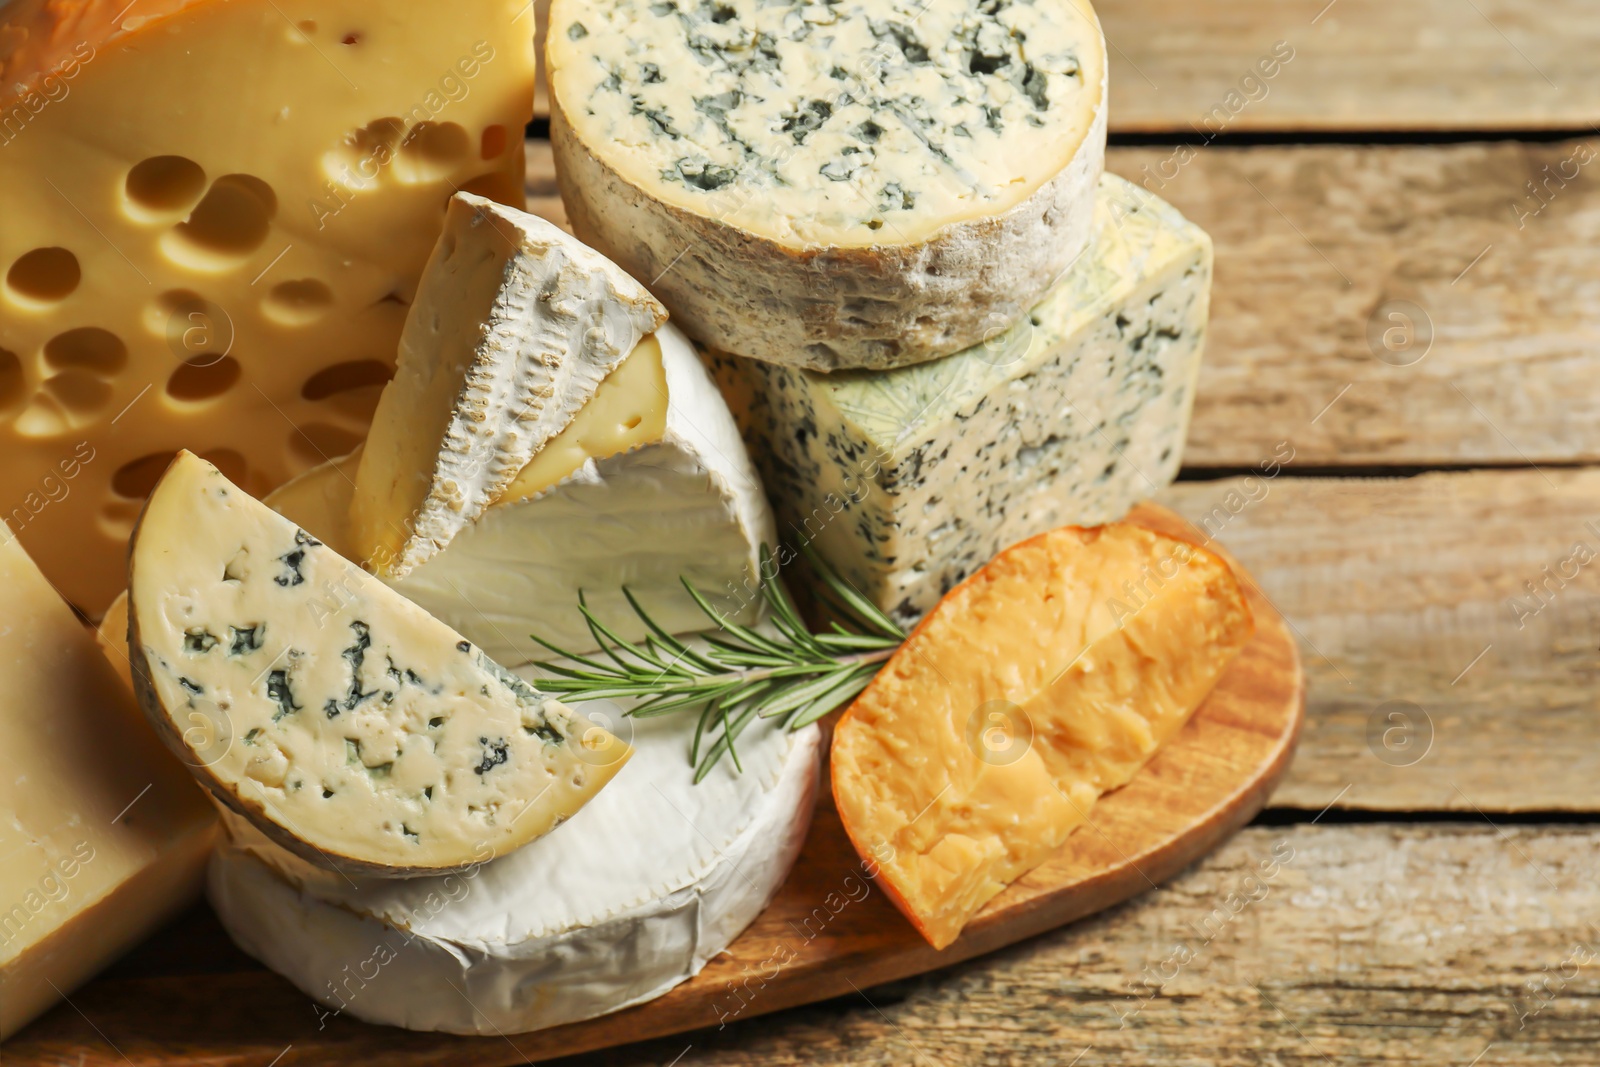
{"points": [[653, 879], [513, 328], [347, 724], [842, 184], [909, 480]]}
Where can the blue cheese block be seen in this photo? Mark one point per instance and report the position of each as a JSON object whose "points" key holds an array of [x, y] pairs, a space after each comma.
{"points": [[908, 480]]}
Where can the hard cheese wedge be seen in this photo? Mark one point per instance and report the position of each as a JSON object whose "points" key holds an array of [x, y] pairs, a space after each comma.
{"points": [[349, 725], [214, 215], [103, 835], [645, 885], [514, 326], [1045, 680], [907, 481], [649, 485], [862, 183]]}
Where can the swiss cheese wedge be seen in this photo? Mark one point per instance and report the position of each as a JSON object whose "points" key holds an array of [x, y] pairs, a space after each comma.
{"points": [[213, 217], [1042, 682]]}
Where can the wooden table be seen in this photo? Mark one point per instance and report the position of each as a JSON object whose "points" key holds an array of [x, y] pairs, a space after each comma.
{"points": [[1436, 899]]}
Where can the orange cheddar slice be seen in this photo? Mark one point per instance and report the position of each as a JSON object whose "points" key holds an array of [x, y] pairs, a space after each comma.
{"points": [[1036, 686]]}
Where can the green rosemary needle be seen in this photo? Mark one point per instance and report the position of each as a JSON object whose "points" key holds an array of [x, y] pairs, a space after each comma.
{"points": [[734, 675]]}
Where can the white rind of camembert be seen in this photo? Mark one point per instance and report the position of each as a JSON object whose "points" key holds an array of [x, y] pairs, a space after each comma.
{"points": [[856, 184], [513, 328], [341, 719], [650, 484], [652, 879]]}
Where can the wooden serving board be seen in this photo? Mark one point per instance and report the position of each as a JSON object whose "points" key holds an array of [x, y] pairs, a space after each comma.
{"points": [[829, 932]]}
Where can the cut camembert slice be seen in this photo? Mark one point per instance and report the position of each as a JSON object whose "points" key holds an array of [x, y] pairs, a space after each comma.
{"points": [[647, 487], [514, 327], [1042, 682], [347, 724], [856, 184]]}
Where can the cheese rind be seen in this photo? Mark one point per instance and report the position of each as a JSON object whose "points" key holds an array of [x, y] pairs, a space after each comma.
{"points": [[1044, 681], [634, 895], [868, 183], [909, 480], [514, 326], [340, 718], [104, 836], [248, 191], [681, 501]]}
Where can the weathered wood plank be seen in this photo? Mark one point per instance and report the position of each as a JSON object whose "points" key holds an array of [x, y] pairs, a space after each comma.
{"points": [[1314, 247], [1413, 590], [1364, 65], [1302, 947], [1319, 249], [1357, 65], [1299, 946]]}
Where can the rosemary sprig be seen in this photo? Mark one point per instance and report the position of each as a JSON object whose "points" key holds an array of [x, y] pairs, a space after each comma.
{"points": [[734, 675]]}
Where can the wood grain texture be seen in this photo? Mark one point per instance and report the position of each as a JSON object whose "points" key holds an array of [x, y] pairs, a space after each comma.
{"points": [[1304, 946], [829, 932], [1313, 246], [1358, 64], [1413, 590]]}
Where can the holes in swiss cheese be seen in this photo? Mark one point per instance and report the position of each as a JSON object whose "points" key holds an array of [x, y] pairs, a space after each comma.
{"points": [[297, 303], [229, 223], [13, 383], [203, 378], [349, 389], [79, 363], [493, 142], [344, 377], [134, 479], [79, 393], [362, 155], [162, 187], [44, 275], [88, 348], [431, 152], [159, 312]]}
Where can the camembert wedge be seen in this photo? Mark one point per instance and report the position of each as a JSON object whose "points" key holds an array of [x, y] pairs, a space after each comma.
{"points": [[1042, 682], [514, 327], [648, 486], [347, 724]]}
